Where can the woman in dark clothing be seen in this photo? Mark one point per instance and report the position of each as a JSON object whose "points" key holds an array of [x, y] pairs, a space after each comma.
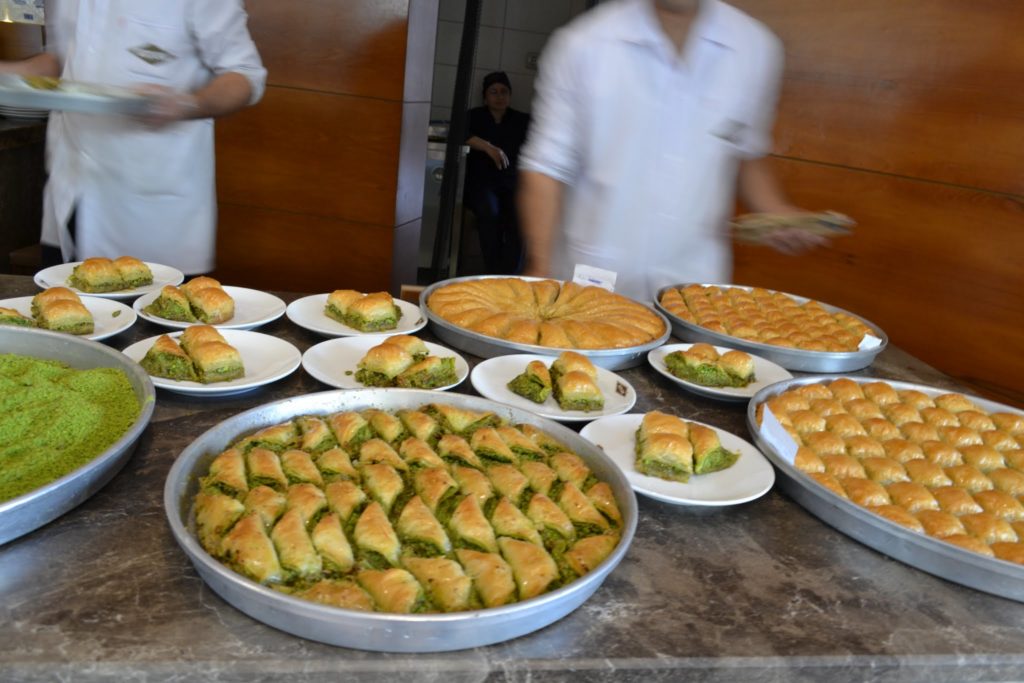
{"points": [[495, 134]]}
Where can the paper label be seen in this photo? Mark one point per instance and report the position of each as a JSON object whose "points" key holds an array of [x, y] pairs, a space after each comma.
{"points": [[777, 437], [869, 341], [591, 275]]}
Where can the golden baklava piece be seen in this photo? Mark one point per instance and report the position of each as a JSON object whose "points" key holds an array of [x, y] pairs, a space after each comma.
{"points": [[133, 272], [96, 275]]}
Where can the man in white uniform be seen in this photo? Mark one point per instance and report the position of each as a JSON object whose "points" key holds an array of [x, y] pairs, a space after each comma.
{"points": [[648, 115], [143, 187]]}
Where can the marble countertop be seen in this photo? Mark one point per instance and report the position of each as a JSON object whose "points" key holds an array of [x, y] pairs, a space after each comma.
{"points": [[757, 592]]}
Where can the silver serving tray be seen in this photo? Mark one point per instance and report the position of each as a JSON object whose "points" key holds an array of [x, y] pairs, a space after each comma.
{"points": [[791, 359], [32, 510], [374, 630], [999, 577], [488, 347]]}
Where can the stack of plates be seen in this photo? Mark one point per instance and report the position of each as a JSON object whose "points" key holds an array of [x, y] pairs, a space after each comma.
{"points": [[23, 112]]}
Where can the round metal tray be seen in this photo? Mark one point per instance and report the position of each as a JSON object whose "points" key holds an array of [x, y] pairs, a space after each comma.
{"points": [[32, 510], [374, 630], [791, 359], [945, 560], [488, 347]]}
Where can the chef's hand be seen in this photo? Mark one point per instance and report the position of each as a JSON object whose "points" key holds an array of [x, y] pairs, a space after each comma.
{"points": [[166, 105]]}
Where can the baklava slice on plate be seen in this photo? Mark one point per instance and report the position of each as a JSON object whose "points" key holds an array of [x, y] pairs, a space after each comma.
{"points": [[96, 275], [166, 359]]}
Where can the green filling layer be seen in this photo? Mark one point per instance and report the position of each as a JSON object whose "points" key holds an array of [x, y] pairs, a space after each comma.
{"points": [[529, 387], [220, 374], [18, 320], [84, 327], [54, 419], [106, 286], [373, 379], [364, 325], [715, 461], [584, 404], [441, 377], [704, 374], [662, 470], [169, 366]]}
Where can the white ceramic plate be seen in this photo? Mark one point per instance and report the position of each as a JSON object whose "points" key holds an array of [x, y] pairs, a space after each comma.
{"points": [[252, 309], [749, 478], [335, 361], [491, 378], [308, 312], [57, 276], [110, 317], [766, 373], [266, 360]]}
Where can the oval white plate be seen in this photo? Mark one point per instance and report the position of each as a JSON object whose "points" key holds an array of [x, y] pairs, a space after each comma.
{"points": [[252, 309], [110, 317], [335, 361], [308, 312], [266, 360], [57, 276], [749, 478], [766, 373], [491, 378]]}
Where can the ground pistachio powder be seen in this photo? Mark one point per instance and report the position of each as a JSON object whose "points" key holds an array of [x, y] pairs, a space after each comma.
{"points": [[54, 419]]}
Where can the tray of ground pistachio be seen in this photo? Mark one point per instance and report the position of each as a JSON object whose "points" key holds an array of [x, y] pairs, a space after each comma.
{"points": [[398, 519], [71, 411], [495, 315], [793, 331], [931, 478]]}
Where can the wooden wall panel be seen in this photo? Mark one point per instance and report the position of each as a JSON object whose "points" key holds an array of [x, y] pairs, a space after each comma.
{"points": [[348, 46], [318, 153], [325, 253]]}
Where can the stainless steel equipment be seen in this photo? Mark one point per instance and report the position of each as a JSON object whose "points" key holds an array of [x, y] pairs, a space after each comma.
{"points": [[791, 359], [372, 630], [489, 347], [32, 510], [923, 552]]}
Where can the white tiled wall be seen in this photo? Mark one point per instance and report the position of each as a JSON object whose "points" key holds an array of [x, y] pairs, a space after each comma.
{"points": [[510, 30]]}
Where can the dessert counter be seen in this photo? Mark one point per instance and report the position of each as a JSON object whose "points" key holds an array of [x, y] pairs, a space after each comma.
{"points": [[762, 591]]}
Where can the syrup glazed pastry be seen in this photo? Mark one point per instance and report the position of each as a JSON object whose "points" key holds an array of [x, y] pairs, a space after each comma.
{"points": [[572, 379], [483, 515], [200, 299], [404, 361], [701, 364], [764, 316], [671, 448], [365, 312], [203, 356], [961, 480], [546, 313], [96, 275], [58, 309]]}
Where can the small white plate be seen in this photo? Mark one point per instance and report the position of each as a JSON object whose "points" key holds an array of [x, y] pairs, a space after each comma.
{"points": [[266, 360], [765, 373], [110, 317], [491, 378], [252, 309], [335, 361], [57, 276], [308, 312], [749, 478]]}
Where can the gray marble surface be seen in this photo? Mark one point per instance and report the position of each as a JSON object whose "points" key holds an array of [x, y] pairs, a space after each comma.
{"points": [[756, 592]]}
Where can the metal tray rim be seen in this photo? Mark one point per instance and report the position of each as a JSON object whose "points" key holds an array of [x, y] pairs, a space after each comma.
{"points": [[107, 462], [846, 508], [627, 354], [772, 352], [182, 473]]}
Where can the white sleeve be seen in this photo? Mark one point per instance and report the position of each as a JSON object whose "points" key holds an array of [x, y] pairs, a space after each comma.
{"points": [[224, 44], [766, 68], [553, 143]]}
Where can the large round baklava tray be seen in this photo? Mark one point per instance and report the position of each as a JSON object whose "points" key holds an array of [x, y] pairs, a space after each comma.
{"points": [[495, 315], [266, 503], [792, 331], [930, 477]]}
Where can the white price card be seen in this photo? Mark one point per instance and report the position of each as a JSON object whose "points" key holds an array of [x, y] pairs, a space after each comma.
{"points": [[592, 275]]}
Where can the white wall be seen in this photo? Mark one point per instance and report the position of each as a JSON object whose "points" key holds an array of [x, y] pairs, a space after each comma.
{"points": [[510, 30]]}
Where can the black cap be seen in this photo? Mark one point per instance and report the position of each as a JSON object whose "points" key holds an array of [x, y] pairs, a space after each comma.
{"points": [[496, 77]]}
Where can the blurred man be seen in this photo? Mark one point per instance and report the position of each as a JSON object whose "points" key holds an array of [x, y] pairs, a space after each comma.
{"points": [[648, 115], [142, 187]]}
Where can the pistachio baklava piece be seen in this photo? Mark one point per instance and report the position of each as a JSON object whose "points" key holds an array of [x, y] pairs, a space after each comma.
{"points": [[534, 383], [430, 373], [201, 282], [66, 316], [338, 303], [171, 304], [134, 273], [211, 305], [382, 365], [373, 313], [414, 346], [708, 453], [693, 366], [195, 335], [217, 362], [166, 359], [96, 275], [9, 316], [576, 390], [50, 295]]}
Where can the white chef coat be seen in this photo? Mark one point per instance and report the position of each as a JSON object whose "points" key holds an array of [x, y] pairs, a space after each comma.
{"points": [[648, 141], [136, 190]]}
